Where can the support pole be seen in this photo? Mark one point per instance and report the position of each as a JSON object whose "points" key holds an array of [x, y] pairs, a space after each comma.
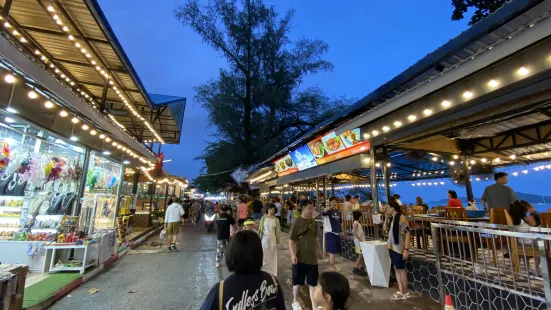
{"points": [[325, 191], [332, 187], [386, 180], [467, 174], [374, 190], [317, 194]]}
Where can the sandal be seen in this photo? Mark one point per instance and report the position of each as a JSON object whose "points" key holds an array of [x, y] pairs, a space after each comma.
{"points": [[398, 296]]}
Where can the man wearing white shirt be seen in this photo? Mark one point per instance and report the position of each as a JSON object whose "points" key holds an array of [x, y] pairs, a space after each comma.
{"points": [[173, 216]]}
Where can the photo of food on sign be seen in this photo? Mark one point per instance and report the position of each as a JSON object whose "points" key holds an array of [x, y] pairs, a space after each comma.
{"points": [[332, 143], [303, 158], [351, 137], [317, 148], [284, 164]]}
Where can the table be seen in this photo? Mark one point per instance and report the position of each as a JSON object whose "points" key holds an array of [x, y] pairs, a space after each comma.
{"points": [[82, 269], [377, 262]]}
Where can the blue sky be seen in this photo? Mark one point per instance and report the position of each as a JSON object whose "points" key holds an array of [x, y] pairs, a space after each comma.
{"points": [[370, 43]]}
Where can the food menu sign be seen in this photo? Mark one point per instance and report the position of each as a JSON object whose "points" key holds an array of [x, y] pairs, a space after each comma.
{"points": [[332, 147], [303, 158], [285, 165], [322, 150]]}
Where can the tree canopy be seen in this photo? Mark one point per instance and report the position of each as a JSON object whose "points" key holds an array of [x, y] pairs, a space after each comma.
{"points": [[482, 8], [256, 105]]}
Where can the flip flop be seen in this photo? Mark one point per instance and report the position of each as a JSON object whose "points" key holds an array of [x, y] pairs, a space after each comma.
{"points": [[398, 296]]}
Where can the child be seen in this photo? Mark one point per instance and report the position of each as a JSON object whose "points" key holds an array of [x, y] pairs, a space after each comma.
{"points": [[332, 291], [249, 224], [359, 236]]}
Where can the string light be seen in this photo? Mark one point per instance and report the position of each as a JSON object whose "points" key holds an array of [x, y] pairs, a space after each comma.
{"points": [[412, 117], [75, 120], [63, 113], [523, 71], [446, 103], [85, 127], [427, 112], [493, 83], [32, 94]]}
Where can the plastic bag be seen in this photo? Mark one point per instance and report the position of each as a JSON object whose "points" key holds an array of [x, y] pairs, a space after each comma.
{"points": [[163, 235]]}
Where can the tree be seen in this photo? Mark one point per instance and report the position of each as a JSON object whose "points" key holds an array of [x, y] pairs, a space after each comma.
{"points": [[256, 105], [482, 8]]}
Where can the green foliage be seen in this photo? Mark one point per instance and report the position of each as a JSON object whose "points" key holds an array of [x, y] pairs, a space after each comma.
{"points": [[482, 8], [256, 106]]}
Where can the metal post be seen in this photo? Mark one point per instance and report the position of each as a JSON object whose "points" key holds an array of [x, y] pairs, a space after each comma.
{"points": [[166, 195], [83, 181], [374, 190], [333, 187], [119, 191], [317, 194], [386, 180], [467, 174], [325, 192]]}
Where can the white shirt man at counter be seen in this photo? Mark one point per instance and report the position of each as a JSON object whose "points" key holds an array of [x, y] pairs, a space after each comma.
{"points": [[173, 216]]}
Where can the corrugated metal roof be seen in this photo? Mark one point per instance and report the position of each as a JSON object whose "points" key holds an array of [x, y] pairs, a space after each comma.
{"points": [[89, 26], [494, 28]]}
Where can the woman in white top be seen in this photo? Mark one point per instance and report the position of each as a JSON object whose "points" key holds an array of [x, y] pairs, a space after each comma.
{"points": [[269, 231], [347, 208], [359, 236]]}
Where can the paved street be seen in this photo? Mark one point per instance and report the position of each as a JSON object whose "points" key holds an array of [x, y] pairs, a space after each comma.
{"points": [[151, 278]]}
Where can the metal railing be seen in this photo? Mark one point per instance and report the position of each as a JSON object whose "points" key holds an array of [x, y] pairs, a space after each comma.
{"points": [[511, 262]]}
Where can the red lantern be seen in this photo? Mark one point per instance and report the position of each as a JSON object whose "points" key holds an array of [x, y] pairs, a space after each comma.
{"points": [[159, 165]]}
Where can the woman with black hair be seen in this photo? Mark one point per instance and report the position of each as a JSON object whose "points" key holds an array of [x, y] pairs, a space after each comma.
{"points": [[453, 201], [398, 241], [269, 231], [248, 287], [332, 291]]}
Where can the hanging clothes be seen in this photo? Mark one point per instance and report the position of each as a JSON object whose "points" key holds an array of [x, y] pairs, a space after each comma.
{"points": [[269, 230]]}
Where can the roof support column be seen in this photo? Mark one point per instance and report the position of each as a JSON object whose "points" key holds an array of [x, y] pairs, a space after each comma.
{"points": [[386, 179], [104, 96], [317, 193], [374, 191], [466, 148], [325, 191]]}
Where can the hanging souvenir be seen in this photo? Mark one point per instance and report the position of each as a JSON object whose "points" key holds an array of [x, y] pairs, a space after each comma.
{"points": [[4, 156]]}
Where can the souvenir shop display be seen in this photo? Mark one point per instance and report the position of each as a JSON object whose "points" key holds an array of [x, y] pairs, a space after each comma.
{"points": [[97, 212], [40, 174]]}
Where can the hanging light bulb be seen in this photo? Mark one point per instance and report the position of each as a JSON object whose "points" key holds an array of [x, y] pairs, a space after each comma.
{"points": [[32, 94], [63, 113], [93, 132], [9, 78], [75, 120], [85, 127], [48, 104]]}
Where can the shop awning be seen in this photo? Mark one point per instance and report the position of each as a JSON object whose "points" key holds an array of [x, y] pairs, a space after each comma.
{"points": [[74, 37]]}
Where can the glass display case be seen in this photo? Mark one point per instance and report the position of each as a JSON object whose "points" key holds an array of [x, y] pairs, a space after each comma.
{"points": [[40, 173], [101, 193]]}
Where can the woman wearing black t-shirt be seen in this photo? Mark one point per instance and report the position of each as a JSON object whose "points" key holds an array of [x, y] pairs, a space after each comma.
{"points": [[249, 287]]}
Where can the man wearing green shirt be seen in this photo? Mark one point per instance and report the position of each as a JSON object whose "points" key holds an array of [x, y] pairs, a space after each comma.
{"points": [[305, 248]]}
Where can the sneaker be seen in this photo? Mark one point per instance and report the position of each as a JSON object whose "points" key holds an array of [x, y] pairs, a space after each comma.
{"points": [[296, 306], [174, 247], [169, 249], [356, 271]]}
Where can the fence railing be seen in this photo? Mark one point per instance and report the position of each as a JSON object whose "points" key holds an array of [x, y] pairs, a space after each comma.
{"points": [[513, 261]]}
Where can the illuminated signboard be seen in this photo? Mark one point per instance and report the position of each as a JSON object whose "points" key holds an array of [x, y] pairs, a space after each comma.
{"points": [[285, 165], [323, 150], [303, 158]]}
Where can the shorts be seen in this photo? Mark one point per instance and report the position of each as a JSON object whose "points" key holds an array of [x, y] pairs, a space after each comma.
{"points": [[257, 216], [332, 243], [241, 221], [303, 271], [173, 228], [358, 249], [397, 259]]}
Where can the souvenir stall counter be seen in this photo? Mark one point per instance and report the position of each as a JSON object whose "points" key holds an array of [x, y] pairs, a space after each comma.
{"points": [[40, 175]]}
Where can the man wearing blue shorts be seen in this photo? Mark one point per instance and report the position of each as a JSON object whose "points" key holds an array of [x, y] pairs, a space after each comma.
{"points": [[332, 227]]}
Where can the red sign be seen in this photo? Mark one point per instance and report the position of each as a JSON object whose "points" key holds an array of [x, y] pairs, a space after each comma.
{"points": [[356, 149]]}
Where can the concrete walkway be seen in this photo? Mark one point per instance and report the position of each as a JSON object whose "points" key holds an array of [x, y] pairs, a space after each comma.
{"points": [[151, 278]]}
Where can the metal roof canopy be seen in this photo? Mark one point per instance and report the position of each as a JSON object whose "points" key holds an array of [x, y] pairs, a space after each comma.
{"points": [[493, 29], [517, 114], [91, 27]]}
